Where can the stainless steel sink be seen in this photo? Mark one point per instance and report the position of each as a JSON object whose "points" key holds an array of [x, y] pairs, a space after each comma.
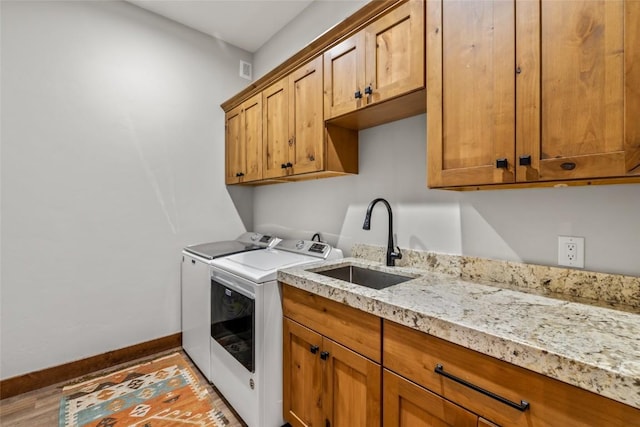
{"points": [[373, 279]]}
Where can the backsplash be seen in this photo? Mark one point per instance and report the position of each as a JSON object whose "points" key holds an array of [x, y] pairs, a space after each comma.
{"points": [[603, 289]]}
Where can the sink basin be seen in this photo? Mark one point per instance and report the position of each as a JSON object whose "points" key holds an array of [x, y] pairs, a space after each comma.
{"points": [[373, 279]]}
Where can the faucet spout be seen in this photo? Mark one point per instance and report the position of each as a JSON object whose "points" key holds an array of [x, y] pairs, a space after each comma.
{"points": [[391, 255]]}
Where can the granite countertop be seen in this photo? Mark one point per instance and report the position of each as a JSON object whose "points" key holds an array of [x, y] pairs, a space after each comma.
{"points": [[594, 348]]}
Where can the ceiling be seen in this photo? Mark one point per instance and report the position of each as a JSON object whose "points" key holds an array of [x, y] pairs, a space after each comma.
{"points": [[247, 24]]}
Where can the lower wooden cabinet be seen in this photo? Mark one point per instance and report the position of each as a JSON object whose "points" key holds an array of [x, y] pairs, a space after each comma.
{"points": [[325, 383], [528, 398], [409, 405], [345, 367], [331, 362]]}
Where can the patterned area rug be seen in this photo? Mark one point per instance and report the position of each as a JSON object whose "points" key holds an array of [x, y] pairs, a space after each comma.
{"points": [[161, 393]]}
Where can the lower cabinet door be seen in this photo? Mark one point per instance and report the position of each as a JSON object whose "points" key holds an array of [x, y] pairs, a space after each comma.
{"points": [[302, 375], [352, 387], [409, 405]]}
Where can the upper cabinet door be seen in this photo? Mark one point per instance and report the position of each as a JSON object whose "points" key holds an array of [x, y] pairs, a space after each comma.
{"points": [[344, 77], [276, 137], [306, 124], [576, 70], [243, 142], [394, 52], [252, 136], [470, 92], [234, 146]]}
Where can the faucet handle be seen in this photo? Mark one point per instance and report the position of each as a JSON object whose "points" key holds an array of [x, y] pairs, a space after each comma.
{"points": [[397, 255]]}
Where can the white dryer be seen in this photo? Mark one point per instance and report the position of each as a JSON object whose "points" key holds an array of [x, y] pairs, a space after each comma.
{"points": [[196, 291]]}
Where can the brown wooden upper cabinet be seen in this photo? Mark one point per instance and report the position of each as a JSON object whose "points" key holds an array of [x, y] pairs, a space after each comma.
{"points": [[380, 62], [292, 123], [243, 142], [532, 91]]}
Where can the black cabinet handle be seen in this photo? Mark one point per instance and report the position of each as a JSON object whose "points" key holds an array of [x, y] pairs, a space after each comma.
{"points": [[522, 406], [502, 163], [358, 94], [568, 166], [289, 165], [314, 349], [525, 160], [324, 355], [283, 166], [368, 90], [239, 174]]}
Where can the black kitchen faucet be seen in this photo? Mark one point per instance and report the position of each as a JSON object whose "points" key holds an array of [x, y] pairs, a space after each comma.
{"points": [[391, 255]]}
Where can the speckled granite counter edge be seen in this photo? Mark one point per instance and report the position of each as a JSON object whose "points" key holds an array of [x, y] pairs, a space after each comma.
{"points": [[608, 383], [613, 290]]}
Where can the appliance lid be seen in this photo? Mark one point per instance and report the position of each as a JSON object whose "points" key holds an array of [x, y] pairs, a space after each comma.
{"points": [[261, 266], [217, 249], [247, 241]]}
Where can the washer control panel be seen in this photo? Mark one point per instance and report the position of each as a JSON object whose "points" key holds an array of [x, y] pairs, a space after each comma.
{"points": [[258, 239], [307, 247]]}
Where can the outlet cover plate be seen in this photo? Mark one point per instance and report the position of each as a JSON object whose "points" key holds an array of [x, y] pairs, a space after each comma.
{"points": [[571, 251], [246, 70]]}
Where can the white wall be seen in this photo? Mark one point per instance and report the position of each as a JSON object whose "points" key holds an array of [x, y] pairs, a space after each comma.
{"points": [[520, 225], [112, 161]]}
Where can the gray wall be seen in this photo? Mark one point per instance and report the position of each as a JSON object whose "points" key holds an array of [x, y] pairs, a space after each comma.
{"points": [[112, 161], [520, 225]]}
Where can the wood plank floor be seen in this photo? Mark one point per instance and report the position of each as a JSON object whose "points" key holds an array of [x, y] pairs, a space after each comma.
{"points": [[39, 408]]}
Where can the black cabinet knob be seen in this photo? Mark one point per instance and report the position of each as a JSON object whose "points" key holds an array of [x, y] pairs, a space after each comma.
{"points": [[358, 94], [502, 163], [314, 349], [239, 174], [524, 160], [368, 90], [283, 166], [324, 355], [568, 166], [289, 165]]}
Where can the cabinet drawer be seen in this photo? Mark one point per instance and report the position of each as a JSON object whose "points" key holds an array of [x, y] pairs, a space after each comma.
{"points": [[353, 328], [415, 355]]}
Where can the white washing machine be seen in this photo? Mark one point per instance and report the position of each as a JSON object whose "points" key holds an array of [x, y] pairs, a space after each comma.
{"points": [[246, 326], [196, 292]]}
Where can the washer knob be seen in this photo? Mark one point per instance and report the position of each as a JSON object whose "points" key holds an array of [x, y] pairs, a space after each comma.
{"points": [[300, 244]]}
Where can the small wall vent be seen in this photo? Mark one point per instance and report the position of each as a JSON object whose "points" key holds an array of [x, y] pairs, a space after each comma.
{"points": [[245, 70]]}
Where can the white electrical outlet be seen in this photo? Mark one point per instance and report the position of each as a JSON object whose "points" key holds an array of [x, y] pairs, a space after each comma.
{"points": [[571, 251]]}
